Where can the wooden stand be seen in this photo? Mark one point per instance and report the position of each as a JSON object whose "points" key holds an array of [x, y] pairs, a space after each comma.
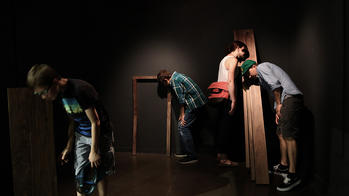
{"points": [[136, 79], [32, 144], [256, 151]]}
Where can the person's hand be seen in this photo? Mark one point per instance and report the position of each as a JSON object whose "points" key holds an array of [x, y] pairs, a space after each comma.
{"points": [[64, 156], [232, 108], [278, 114], [181, 119], [95, 159], [277, 119]]}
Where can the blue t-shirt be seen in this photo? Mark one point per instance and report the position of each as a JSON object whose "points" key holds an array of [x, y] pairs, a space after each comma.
{"points": [[78, 96], [272, 77]]}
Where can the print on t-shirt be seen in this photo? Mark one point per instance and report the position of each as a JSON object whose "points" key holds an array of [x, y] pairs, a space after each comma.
{"points": [[74, 110]]}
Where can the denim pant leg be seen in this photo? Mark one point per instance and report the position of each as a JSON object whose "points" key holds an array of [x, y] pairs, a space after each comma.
{"points": [[185, 133]]}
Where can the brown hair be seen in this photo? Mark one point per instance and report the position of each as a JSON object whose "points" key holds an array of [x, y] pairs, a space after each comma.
{"points": [[239, 44], [162, 75], [41, 75]]}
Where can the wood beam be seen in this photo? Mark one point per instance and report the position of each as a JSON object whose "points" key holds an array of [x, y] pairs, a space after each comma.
{"points": [[135, 80], [256, 151], [32, 143]]}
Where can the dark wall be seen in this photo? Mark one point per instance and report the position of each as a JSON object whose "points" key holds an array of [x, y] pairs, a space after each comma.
{"points": [[106, 43]]}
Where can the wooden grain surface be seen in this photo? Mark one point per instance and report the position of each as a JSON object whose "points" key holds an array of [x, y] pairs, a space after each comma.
{"points": [[32, 144], [256, 151]]}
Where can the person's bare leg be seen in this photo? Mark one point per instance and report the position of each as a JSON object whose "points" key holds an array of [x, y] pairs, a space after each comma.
{"points": [[292, 154], [102, 187], [79, 194], [283, 151]]}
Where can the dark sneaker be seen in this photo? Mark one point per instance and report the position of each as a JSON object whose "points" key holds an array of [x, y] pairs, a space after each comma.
{"points": [[180, 155], [289, 182], [187, 160], [280, 170]]}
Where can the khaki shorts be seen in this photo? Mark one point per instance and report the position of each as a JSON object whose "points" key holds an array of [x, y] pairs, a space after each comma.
{"points": [[291, 115]]}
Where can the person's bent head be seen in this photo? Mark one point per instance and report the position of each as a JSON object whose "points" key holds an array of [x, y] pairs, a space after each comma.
{"points": [[164, 77], [249, 69], [249, 73], [240, 49], [43, 79]]}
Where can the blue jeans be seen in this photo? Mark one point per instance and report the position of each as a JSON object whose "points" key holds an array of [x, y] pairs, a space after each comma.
{"points": [[185, 135]]}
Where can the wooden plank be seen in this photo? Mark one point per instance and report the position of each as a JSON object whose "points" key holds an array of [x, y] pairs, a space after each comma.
{"points": [[32, 143], [168, 125], [260, 150], [250, 135], [135, 116], [135, 80], [256, 137], [246, 124], [144, 77]]}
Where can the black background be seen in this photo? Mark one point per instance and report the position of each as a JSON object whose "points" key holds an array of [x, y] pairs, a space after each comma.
{"points": [[108, 42]]}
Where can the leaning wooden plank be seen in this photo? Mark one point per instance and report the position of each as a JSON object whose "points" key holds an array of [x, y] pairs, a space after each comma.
{"points": [[250, 135], [256, 114], [260, 150], [32, 144], [246, 124]]}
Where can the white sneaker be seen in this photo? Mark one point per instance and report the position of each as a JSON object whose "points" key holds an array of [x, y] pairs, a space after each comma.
{"points": [[180, 155]]}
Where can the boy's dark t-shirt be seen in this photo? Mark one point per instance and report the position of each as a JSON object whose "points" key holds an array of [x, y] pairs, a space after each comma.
{"points": [[78, 96]]}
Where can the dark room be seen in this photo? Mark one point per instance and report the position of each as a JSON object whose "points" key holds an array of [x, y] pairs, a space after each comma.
{"points": [[175, 98]]}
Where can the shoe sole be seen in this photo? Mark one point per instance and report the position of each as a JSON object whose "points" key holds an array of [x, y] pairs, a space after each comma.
{"points": [[188, 162], [180, 155], [290, 187]]}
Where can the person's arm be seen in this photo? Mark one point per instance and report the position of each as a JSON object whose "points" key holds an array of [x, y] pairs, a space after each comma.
{"points": [[94, 157], [182, 114], [271, 78], [70, 142], [277, 97], [181, 99], [231, 64]]}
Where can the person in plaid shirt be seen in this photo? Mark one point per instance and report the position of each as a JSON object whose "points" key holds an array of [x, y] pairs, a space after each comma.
{"points": [[191, 100]]}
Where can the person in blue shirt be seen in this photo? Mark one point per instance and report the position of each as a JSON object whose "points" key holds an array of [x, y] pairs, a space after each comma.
{"points": [[288, 105], [90, 131], [191, 100]]}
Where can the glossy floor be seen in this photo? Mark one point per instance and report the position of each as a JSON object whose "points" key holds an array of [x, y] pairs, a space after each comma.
{"points": [[159, 175]]}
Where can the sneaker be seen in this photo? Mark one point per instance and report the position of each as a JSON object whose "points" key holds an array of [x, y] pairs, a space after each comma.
{"points": [[188, 160], [280, 170], [289, 182], [180, 155]]}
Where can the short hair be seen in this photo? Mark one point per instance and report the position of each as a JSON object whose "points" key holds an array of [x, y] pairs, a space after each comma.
{"points": [[162, 75], [41, 75], [234, 45], [239, 44]]}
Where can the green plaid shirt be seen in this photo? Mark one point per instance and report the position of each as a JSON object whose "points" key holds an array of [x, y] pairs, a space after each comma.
{"points": [[187, 91]]}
